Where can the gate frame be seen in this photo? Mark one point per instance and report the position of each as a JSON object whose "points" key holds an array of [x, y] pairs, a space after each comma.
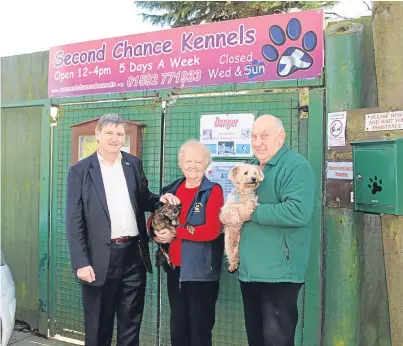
{"points": [[312, 332]]}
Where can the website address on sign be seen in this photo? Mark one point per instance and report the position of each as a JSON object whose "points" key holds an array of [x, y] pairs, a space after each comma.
{"points": [[79, 87]]}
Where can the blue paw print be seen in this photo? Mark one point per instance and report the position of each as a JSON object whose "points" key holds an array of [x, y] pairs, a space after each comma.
{"points": [[293, 59], [255, 69]]}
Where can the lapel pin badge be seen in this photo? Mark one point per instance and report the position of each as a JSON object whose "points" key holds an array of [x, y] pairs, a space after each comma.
{"points": [[127, 163]]}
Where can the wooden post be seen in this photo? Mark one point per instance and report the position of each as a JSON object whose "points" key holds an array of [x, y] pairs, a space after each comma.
{"points": [[392, 232], [388, 42]]}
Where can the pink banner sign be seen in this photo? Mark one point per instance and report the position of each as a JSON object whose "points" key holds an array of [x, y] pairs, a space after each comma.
{"points": [[258, 49]]}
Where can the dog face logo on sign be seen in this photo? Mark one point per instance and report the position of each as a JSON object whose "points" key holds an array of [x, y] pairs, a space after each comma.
{"points": [[197, 207]]}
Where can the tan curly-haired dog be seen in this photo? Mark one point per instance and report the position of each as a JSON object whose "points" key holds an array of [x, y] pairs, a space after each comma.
{"points": [[246, 179]]}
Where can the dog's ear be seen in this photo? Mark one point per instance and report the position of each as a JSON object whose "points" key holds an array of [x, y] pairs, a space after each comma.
{"points": [[157, 206], [260, 174], [233, 173]]}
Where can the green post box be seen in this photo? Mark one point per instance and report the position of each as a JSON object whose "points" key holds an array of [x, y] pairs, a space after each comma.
{"points": [[378, 176]]}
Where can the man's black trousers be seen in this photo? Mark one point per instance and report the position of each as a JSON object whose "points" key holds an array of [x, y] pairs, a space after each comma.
{"points": [[121, 294], [271, 312]]}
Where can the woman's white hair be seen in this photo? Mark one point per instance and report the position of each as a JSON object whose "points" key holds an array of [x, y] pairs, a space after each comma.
{"points": [[193, 143]]}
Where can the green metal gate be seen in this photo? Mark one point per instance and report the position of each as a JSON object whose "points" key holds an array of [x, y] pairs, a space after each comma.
{"points": [[25, 152], [65, 300], [182, 123]]}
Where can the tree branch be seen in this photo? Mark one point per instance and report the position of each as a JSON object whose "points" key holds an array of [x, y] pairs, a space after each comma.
{"points": [[366, 4], [183, 13], [338, 15]]}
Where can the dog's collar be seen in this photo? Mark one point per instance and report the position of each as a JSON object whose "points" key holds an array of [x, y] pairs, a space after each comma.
{"points": [[238, 195]]}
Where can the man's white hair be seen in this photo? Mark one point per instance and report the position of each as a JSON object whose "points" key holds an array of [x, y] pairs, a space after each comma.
{"points": [[279, 124], [194, 144]]}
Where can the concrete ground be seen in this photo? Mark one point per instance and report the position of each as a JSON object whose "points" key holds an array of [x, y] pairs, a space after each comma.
{"points": [[28, 339]]}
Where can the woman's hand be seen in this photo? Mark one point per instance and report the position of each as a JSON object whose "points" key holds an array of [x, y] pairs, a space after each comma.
{"points": [[169, 197], [164, 236]]}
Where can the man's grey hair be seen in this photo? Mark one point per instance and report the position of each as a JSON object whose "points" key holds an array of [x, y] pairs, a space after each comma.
{"points": [[194, 143], [111, 118]]}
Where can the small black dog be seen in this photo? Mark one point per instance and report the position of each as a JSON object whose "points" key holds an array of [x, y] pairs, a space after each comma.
{"points": [[164, 216]]}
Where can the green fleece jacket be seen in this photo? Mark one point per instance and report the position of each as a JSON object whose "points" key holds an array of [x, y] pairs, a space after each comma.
{"points": [[275, 243]]}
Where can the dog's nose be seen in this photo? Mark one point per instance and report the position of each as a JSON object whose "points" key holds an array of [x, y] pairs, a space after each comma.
{"points": [[253, 179]]}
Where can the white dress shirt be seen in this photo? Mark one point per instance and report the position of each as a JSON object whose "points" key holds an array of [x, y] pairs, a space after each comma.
{"points": [[123, 220]]}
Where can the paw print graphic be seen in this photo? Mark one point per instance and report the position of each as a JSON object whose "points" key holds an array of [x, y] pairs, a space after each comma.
{"points": [[294, 58], [256, 68], [375, 185]]}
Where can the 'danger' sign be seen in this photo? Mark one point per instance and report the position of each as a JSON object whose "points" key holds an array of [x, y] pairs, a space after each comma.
{"points": [[267, 48], [227, 134]]}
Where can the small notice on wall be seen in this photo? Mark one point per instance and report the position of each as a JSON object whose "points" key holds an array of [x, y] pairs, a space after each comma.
{"points": [[218, 173], [384, 121], [340, 170], [336, 129], [227, 135]]}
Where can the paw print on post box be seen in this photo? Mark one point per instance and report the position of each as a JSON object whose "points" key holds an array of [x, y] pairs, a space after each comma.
{"points": [[293, 59], [375, 185]]}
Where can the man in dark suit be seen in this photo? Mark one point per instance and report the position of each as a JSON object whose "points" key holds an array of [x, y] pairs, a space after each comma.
{"points": [[107, 195]]}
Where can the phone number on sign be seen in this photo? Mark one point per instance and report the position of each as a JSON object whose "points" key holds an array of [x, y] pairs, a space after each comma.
{"points": [[180, 77]]}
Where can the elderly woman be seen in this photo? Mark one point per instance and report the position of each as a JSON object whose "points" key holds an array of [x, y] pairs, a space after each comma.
{"points": [[193, 280]]}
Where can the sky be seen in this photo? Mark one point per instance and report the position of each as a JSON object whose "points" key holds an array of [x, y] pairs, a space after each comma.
{"points": [[28, 26]]}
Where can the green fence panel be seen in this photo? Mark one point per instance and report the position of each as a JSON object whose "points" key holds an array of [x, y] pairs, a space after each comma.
{"points": [[20, 195], [183, 123], [66, 306]]}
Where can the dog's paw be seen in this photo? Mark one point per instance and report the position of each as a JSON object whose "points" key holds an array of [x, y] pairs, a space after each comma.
{"points": [[172, 230], [233, 268], [235, 216]]}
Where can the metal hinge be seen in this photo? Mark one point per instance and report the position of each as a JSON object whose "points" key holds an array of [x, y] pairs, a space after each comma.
{"points": [[303, 108], [303, 111]]}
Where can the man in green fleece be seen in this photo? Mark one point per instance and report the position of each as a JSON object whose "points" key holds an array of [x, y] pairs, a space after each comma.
{"points": [[275, 238]]}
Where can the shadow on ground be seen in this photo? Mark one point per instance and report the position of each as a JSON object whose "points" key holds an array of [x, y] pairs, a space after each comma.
{"points": [[29, 339]]}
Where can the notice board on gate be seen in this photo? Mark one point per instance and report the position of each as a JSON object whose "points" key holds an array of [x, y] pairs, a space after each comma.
{"points": [[228, 137], [266, 48]]}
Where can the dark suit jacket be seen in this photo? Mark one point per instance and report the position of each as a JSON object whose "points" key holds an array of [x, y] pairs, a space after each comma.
{"points": [[88, 224]]}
